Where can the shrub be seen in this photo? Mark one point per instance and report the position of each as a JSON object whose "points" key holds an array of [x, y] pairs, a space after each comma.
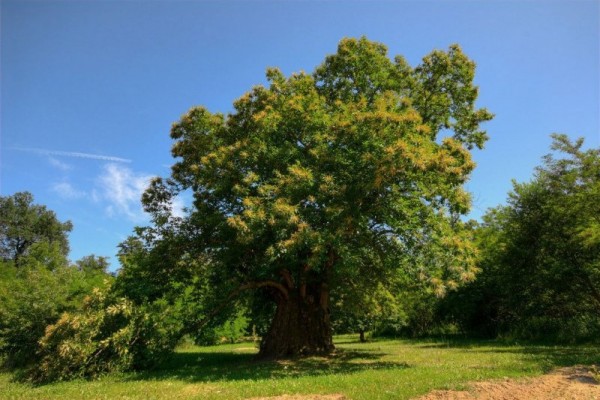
{"points": [[34, 294], [108, 335], [32, 297]]}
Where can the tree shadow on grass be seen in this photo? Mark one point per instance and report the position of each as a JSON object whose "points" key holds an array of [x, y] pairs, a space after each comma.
{"points": [[559, 356], [548, 356], [219, 366]]}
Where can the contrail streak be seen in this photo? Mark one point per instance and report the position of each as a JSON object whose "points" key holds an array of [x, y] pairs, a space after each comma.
{"points": [[71, 154]]}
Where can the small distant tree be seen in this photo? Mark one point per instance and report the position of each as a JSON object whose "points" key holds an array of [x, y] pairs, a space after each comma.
{"points": [[93, 264], [368, 310], [23, 224]]}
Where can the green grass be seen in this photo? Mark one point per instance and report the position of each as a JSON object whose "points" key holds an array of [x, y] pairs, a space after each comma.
{"points": [[383, 369]]}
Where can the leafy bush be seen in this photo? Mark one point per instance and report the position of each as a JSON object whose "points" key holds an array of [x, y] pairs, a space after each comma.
{"points": [[108, 335], [37, 284], [34, 295]]}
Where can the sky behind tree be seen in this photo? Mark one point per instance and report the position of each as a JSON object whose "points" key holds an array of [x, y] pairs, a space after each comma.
{"points": [[89, 89]]}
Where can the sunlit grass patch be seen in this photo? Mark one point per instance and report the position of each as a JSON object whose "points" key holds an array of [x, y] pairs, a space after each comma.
{"points": [[380, 369]]}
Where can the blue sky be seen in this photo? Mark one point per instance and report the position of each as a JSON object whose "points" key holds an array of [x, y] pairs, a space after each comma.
{"points": [[89, 89]]}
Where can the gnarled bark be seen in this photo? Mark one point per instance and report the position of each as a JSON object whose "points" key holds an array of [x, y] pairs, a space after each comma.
{"points": [[301, 325]]}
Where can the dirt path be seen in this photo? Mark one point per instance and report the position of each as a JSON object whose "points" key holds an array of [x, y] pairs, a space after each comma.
{"points": [[573, 383]]}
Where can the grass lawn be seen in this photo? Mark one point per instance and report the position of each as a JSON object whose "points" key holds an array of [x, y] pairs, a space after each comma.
{"points": [[381, 369]]}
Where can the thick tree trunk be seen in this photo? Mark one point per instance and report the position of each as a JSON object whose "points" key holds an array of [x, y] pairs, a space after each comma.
{"points": [[301, 326], [362, 336]]}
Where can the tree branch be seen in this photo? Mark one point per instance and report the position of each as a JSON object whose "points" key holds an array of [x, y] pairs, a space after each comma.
{"points": [[235, 293], [256, 285], [287, 277]]}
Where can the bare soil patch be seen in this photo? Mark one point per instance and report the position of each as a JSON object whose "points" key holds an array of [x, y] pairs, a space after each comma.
{"points": [[573, 383]]}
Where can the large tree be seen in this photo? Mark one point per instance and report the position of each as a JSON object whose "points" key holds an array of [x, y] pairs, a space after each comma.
{"points": [[23, 224], [339, 180]]}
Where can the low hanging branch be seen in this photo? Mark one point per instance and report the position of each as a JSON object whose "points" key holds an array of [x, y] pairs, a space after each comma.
{"points": [[268, 283], [235, 293], [287, 277]]}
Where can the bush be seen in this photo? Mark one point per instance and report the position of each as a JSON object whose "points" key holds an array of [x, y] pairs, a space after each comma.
{"points": [[108, 335], [32, 297]]}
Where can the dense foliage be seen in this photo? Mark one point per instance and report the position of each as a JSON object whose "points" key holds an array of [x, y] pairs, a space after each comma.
{"points": [[540, 255], [107, 335], [37, 284], [32, 297], [23, 224]]}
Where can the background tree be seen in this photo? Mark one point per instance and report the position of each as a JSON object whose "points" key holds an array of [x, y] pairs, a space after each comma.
{"points": [[354, 172], [93, 264], [23, 223], [37, 283], [541, 254], [361, 311]]}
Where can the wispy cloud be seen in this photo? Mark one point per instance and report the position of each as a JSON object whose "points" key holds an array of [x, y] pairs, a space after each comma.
{"points": [[122, 189], [76, 154], [59, 164], [67, 191]]}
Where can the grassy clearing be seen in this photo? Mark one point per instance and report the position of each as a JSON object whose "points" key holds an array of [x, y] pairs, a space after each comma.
{"points": [[383, 369]]}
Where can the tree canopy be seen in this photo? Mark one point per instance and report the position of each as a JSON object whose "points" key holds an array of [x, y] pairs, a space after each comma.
{"points": [[23, 224], [333, 181]]}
